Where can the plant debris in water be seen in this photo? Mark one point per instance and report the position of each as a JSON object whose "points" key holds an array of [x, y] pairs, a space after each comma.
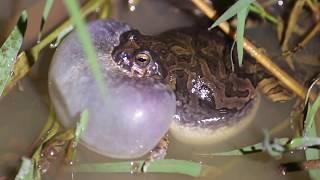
{"points": [[80, 128], [10, 49], [52, 143], [23, 63], [292, 26]]}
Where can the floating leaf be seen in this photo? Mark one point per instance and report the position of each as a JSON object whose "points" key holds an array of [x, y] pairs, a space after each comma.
{"points": [[232, 11], [84, 37], [10, 49]]}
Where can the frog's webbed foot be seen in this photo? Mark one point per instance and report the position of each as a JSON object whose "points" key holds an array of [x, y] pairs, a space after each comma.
{"points": [[159, 152], [274, 90]]}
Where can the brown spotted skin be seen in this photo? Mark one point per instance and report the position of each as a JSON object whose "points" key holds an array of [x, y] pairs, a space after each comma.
{"points": [[196, 65]]}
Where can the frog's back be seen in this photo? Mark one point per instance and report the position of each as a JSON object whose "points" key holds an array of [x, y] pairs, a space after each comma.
{"points": [[198, 67]]}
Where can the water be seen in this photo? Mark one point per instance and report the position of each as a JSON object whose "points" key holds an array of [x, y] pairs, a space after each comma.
{"points": [[23, 113]]}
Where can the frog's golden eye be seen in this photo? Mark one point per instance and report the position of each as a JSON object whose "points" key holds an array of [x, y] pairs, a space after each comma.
{"points": [[142, 59]]}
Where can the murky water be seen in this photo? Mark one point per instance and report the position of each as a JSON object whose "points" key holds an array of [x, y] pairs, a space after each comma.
{"points": [[23, 113]]}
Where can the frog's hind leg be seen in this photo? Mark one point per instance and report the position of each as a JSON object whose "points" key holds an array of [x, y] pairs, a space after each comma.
{"points": [[268, 85], [157, 153], [274, 90]]}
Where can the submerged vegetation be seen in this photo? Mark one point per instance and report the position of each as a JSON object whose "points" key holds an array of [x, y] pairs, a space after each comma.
{"points": [[14, 67]]}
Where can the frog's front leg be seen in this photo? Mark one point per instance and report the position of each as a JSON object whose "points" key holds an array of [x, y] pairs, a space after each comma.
{"points": [[157, 153], [271, 87], [274, 90]]}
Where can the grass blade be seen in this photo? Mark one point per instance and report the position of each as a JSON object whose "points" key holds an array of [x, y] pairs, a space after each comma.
{"points": [[46, 10], [85, 39], [232, 11], [289, 145], [159, 166], [241, 16], [10, 49], [81, 125], [240, 8], [313, 154], [60, 36], [258, 9], [80, 128], [256, 148], [310, 119], [311, 131], [301, 142]]}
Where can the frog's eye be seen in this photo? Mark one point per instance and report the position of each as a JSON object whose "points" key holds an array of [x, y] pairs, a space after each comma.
{"points": [[142, 59]]}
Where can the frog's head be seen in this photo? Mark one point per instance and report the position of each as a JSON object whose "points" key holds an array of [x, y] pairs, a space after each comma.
{"points": [[135, 56]]}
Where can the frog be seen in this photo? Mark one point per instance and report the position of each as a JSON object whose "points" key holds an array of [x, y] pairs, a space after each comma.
{"points": [[181, 81], [215, 96]]}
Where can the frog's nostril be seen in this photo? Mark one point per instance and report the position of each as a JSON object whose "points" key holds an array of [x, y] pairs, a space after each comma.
{"points": [[131, 36], [122, 59], [122, 56]]}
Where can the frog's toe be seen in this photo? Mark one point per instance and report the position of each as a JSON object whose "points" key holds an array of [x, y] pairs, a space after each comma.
{"points": [[157, 153], [274, 90]]}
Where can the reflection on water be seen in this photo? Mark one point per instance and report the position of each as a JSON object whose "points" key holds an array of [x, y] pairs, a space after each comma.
{"points": [[23, 114]]}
